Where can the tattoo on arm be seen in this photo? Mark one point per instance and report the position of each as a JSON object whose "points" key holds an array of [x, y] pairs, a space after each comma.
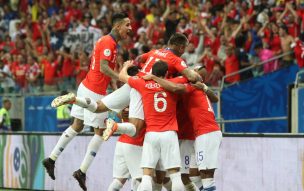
{"points": [[105, 68]]}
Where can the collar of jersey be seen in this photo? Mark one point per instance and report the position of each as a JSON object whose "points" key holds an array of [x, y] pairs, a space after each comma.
{"points": [[171, 50]]}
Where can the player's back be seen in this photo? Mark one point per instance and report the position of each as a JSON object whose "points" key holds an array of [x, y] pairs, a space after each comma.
{"points": [[159, 105], [105, 48], [175, 63], [200, 111]]}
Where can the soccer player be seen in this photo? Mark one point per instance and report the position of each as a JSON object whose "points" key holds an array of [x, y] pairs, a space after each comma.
{"points": [[93, 86], [120, 98], [160, 143], [196, 120], [206, 131], [128, 152]]}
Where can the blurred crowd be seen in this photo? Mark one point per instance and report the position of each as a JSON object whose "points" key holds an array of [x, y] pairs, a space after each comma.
{"points": [[37, 37]]}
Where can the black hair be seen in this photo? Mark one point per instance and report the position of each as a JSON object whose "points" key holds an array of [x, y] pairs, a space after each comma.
{"points": [[160, 68], [117, 17], [133, 70], [145, 48], [178, 39], [6, 101]]}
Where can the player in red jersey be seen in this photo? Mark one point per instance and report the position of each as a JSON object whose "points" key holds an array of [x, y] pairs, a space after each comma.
{"points": [[120, 98], [170, 55], [128, 152], [160, 143], [200, 125], [93, 86], [207, 133]]}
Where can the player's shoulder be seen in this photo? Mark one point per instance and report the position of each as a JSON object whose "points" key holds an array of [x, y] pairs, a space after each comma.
{"points": [[106, 40]]}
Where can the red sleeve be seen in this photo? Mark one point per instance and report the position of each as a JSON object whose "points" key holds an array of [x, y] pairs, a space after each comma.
{"points": [[136, 83], [145, 56], [179, 80], [106, 50], [180, 65]]}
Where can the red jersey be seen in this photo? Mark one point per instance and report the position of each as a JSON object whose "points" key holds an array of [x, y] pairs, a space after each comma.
{"points": [[104, 49], [175, 63], [185, 127], [231, 66], [49, 71], [199, 108], [159, 105], [138, 140], [299, 53]]}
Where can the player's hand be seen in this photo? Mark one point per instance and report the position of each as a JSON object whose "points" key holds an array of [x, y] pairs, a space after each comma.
{"points": [[148, 77], [128, 64], [200, 86]]}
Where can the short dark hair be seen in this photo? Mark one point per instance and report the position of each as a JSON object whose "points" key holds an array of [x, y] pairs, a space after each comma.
{"points": [[160, 68], [6, 101], [178, 39], [133, 70], [117, 17]]}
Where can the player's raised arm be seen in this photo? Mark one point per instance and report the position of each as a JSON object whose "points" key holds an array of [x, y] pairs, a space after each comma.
{"points": [[123, 75], [166, 84]]}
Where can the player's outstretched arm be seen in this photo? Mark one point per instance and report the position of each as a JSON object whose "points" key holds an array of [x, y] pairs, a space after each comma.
{"points": [[123, 75], [211, 95], [167, 85], [105, 68]]}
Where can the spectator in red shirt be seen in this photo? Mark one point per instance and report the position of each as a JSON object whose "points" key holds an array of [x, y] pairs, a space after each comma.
{"points": [[49, 67], [231, 65], [32, 74], [19, 71]]}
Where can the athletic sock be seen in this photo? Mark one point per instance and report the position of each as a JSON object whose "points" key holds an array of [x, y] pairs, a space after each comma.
{"points": [[126, 128], [87, 103], [135, 184], [197, 181], [177, 184], [168, 185], [64, 139], [190, 187], [146, 183], [116, 185], [91, 153]]}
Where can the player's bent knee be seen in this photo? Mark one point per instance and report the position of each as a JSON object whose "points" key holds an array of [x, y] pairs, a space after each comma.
{"points": [[138, 123], [77, 125], [101, 107], [207, 173], [185, 178], [98, 131]]}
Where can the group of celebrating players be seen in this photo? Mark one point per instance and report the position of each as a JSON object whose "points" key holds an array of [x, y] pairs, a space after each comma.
{"points": [[170, 128]]}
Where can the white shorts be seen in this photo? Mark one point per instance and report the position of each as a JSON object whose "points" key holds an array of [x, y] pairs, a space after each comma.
{"points": [[136, 109], [89, 118], [126, 161], [187, 155], [161, 147], [119, 99], [206, 149]]}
